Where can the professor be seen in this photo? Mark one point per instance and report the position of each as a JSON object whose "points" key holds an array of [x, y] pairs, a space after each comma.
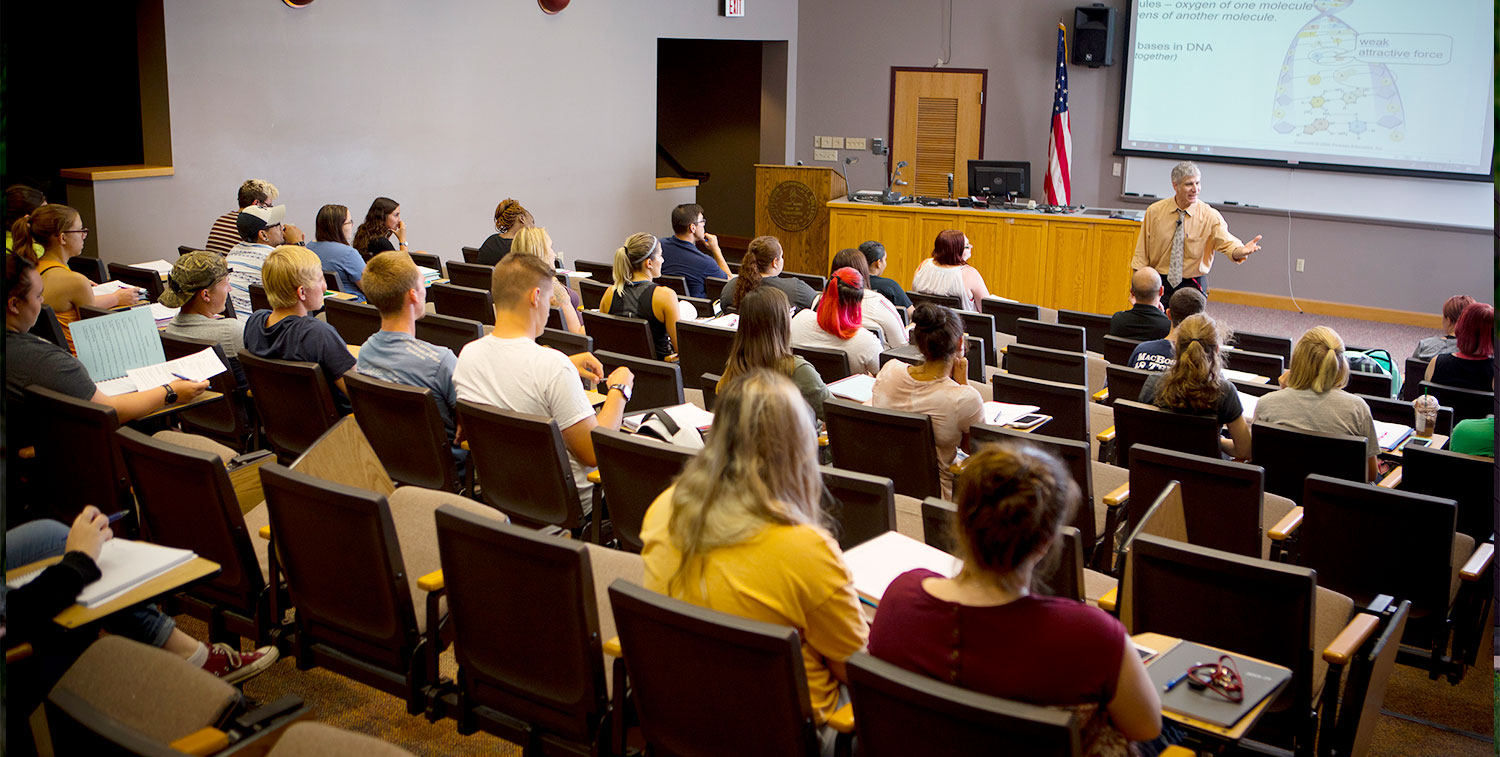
{"points": [[1180, 235]]}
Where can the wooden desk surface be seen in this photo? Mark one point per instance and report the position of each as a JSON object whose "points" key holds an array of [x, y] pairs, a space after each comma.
{"points": [[206, 397], [1161, 644], [353, 350], [1438, 442], [197, 569]]}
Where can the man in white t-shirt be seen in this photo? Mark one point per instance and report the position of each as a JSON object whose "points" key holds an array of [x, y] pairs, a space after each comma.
{"points": [[509, 370]]}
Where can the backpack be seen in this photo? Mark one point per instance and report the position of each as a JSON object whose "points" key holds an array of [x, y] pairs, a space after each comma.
{"points": [[1376, 361]]}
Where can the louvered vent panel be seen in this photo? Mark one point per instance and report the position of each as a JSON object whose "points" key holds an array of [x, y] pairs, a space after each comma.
{"points": [[937, 143]]}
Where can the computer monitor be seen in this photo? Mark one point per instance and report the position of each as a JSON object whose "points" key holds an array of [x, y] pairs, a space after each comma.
{"points": [[994, 178]]}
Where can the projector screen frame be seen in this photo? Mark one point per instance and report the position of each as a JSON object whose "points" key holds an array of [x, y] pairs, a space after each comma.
{"points": [[1128, 55]]}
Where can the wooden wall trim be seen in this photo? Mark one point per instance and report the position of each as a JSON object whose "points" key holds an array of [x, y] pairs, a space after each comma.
{"points": [[1336, 309]]}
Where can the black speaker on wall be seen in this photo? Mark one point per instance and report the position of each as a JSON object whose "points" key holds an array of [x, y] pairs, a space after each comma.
{"points": [[1094, 36]]}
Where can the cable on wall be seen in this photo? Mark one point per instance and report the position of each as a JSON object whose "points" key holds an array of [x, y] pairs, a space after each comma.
{"points": [[947, 39]]}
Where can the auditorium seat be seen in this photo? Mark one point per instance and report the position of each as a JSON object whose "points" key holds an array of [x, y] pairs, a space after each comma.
{"points": [[592, 292], [1374, 384], [429, 260], [1068, 576], [702, 348], [709, 383], [1264, 343], [1007, 313], [1289, 456], [947, 301], [463, 302], [1225, 505], [616, 333], [884, 443], [404, 426], [1466, 479], [1046, 363], [815, 282], [1116, 350], [1095, 326], [355, 321], [1125, 383], [831, 364], [1391, 410], [141, 278], [633, 470], [447, 331], [657, 382], [599, 273], [229, 420], [258, 298], [470, 254], [1466, 403], [1054, 336], [78, 461], [565, 342], [293, 401], [522, 467], [982, 327], [1138, 423], [48, 327], [471, 275], [1257, 363], [92, 268], [862, 506], [677, 284]]}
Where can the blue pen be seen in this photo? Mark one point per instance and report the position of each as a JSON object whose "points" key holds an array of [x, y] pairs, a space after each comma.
{"points": [[117, 516], [868, 602], [1172, 684], [184, 378]]}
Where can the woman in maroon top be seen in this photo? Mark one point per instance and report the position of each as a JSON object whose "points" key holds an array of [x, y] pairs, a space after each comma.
{"points": [[984, 630]]}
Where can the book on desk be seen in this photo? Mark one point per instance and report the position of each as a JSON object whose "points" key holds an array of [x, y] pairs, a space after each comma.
{"points": [[123, 565]]}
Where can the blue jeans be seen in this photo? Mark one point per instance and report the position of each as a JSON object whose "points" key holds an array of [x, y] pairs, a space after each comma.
{"points": [[41, 539]]}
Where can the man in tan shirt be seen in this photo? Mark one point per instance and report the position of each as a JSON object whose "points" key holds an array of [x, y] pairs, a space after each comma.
{"points": [[1179, 236]]}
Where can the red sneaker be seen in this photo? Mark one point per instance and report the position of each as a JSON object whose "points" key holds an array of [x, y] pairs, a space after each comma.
{"points": [[234, 666]]}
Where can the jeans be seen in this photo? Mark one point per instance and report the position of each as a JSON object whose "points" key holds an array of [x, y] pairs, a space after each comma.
{"points": [[41, 539]]}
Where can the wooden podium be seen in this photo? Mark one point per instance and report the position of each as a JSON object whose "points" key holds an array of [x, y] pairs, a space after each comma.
{"points": [[791, 204]]}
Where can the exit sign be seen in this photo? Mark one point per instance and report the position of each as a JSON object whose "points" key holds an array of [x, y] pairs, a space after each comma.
{"points": [[732, 8]]}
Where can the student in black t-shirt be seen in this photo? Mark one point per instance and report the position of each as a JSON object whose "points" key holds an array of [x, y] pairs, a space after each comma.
{"points": [[1158, 354], [510, 219], [294, 284], [374, 235], [1196, 384]]}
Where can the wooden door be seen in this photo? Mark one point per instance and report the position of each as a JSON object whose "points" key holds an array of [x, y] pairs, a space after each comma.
{"points": [[937, 127]]}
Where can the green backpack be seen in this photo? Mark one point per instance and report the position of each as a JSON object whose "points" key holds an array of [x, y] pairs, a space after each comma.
{"points": [[1376, 361]]}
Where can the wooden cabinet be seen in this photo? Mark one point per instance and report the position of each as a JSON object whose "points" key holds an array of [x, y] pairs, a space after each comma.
{"points": [[1065, 262]]}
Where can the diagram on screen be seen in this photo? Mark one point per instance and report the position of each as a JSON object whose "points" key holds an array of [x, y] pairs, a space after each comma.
{"points": [[1329, 87]]}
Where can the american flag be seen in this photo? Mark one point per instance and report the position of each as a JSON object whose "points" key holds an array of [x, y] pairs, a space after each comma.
{"points": [[1060, 146]]}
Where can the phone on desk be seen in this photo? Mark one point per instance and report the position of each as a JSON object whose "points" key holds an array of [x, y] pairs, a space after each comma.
{"points": [[1030, 420], [1417, 441]]}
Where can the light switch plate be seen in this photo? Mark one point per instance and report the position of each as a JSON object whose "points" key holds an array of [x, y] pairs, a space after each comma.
{"points": [[854, 143], [830, 155], [838, 143]]}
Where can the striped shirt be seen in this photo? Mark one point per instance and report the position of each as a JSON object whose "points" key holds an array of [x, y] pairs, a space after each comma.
{"points": [[225, 233], [245, 260]]}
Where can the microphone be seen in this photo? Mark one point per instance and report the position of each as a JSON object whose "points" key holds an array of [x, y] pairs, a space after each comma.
{"points": [[844, 169], [950, 186]]}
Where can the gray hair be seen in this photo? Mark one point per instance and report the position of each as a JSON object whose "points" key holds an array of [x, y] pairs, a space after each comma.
{"points": [[1183, 170]]}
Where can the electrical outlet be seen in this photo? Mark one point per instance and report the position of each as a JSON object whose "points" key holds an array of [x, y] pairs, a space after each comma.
{"points": [[838, 143], [818, 142], [854, 143], [1301, 262], [1116, 170], [829, 155]]}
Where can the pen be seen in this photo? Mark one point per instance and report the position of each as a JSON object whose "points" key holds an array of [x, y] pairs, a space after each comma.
{"points": [[184, 378], [1172, 684], [868, 602], [117, 516]]}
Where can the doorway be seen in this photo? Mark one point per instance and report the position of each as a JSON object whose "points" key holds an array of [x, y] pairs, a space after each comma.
{"points": [[720, 109], [937, 126]]}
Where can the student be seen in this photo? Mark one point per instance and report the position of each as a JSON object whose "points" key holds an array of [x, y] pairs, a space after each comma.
{"points": [[938, 388], [1472, 364], [394, 353], [334, 231], [1474, 436], [878, 311], [1432, 346], [1314, 398], [22, 201], [764, 340], [225, 233], [986, 631], [691, 252], [875, 258], [741, 531], [836, 323], [1195, 383], [261, 229], [510, 219], [635, 294], [534, 240], [294, 285], [948, 273], [762, 266], [374, 235], [199, 286], [1144, 320], [1159, 354], [59, 231]]}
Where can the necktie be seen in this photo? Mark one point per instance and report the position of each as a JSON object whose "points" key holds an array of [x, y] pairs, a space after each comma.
{"points": [[1174, 270]]}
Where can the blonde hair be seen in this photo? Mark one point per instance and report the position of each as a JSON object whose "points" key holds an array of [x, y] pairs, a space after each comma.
{"points": [[630, 257], [1192, 383], [286, 268], [388, 277], [1318, 361], [759, 468], [532, 240]]}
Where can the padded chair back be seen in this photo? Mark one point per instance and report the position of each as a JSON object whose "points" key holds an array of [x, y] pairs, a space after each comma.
{"points": [[592, 292], [982, 327], [228, 419], [471, 275], [947, 301], [864, 506], [1124, 382], [677, 284], [1074, 453], [702, 348], [1392, 410], [1065, 559], [1374, 384], [1465, 479], [1263, 609], [143, 278], [1258, 363], [258, 298], [355, 321], [813, 280], [1008, 313], [904, 713], [709, 384], [1369, 675], [1046, 363], [523, 680], [350, 587], [616, 333], [1255, 388], [634, 470], [293, 401], [470, 254], [1054, 336], [938, 524], [92, 268], [331, 282], [429, 260], [1350, 532], [76, 453], [463, 302], [601, 273], [1068, 404], [1117, 349], [522, 466], [1221, 499], [48, 327], [1414, 371], [657, 383], [1466, 403], [1095, 326], [1289, 455], [447, 331], [830, 364], [1265, 344], [566, 342], [86, 312], [186, 501], [672, 647], [713, 287], [884, 443], [1138, 423], [404, 426]]}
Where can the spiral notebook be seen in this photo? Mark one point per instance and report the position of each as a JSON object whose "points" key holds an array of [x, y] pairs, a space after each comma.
{"points": [[123, 565]]}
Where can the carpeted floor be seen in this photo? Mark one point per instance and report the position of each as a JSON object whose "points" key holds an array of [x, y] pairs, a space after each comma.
{"points": [[1397, 339]]}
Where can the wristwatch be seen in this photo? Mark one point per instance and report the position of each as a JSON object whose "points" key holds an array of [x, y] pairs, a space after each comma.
{"points": [[624, 390], [171, 394]]}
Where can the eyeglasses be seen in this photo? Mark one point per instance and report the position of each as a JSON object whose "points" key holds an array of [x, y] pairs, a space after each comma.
{"points": [[1222, 678], [701, 222], [84, 232]]}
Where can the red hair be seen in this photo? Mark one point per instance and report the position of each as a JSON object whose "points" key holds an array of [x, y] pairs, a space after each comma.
{"points": [[1476, 330], [841, 310], [949, 247]]}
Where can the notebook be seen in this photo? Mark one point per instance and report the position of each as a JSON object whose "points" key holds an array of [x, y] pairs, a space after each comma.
{"points": [[1004, 413], [877, 562], [860, 387], [686, 415], [123, 565], [1259, 679], [1392, 434]]}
